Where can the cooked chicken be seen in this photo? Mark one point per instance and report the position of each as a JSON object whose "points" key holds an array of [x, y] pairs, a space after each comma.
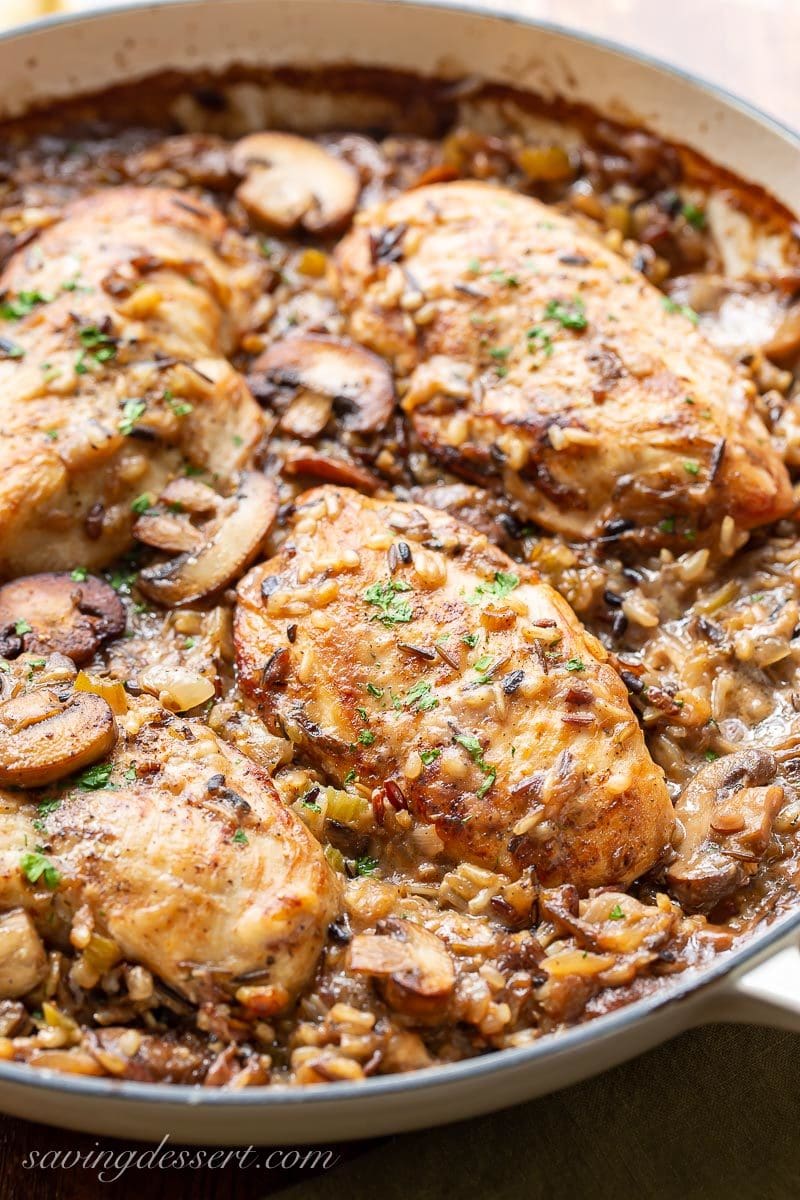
{"points": [[112, 371], [532, 357], [399, 647], [177, 849]]}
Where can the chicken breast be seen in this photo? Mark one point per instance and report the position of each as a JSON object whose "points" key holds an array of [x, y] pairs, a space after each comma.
{"points": [[401, 649], [113, 375], [177, 847], [532, 358]]}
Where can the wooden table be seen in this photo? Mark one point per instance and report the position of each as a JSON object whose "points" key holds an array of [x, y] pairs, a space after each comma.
{"points": [[752, 47]]}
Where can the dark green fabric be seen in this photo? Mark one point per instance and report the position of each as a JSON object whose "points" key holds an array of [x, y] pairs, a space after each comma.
{"points": [[715, 1113]]}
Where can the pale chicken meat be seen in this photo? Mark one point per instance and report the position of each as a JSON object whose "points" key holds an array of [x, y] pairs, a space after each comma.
{"points": [[532, 358], [401, 651], [177, 850], [113, 371]]}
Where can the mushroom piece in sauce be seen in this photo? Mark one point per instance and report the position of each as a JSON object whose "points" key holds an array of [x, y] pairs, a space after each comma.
{"points": [[59, 613], [312, 375], [292, 182], [727, 813], [210, 557]]}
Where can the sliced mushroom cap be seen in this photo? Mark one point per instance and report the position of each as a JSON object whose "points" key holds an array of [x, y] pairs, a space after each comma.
{"points": [[23, 962], [415, 970], [56, 614], [357, 383], [47, 734], [727, 813], [232, 537], [291, 181], [333, 469]]}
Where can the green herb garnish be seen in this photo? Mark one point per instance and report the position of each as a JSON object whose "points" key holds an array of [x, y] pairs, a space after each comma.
{"points": [[35, 866], [385, 597]]}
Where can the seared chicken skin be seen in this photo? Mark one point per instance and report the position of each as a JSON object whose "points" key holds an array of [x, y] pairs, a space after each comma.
{"points": [[113, 373], [177, 847], [400, 648], [533, 358]]}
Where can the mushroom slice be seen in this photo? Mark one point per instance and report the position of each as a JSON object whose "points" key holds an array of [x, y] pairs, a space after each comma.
{"points": [[59, 614], [231, 538], [23, 962], [332, 469], [290, 182], [357, 382], [47, 734], [416, 972], [727, 813]]}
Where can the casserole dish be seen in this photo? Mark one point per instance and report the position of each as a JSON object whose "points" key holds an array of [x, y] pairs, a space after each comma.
{"points": [[759, 980]]}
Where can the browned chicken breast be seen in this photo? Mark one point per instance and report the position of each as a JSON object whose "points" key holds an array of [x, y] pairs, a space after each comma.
{"points": [[400, 649], [112, 371], [172, 850], [532, 357]]}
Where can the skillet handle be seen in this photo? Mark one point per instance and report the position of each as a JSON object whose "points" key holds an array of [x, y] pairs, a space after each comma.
{"points": [[767, 994]]}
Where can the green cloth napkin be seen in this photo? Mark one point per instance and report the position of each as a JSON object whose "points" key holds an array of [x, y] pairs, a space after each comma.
{"points": [[713, 1114]]}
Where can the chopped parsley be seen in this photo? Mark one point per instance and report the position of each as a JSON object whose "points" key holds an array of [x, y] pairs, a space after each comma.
{"points": [[695, 216], [43, 810], [377, 692], [79, 575], [711, 756], [181, 408], [692, 468], [667, 525], [672, 306], [569, 315], [130, 774], [121, 580], [35, 866], [350, 777], [500, 276], [475, 751], [51, 435], [429, 756], [419, 697], [500, 352], [141, 503], [385, 597], [366, 865], [366, 737], [539, 339], [616, 913], [470, 639], [474, 266], [131, 412], [503, 583], [576, 664], [22, 305], [241, 838], [21, 627], [102, 345], [95, 778]]}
